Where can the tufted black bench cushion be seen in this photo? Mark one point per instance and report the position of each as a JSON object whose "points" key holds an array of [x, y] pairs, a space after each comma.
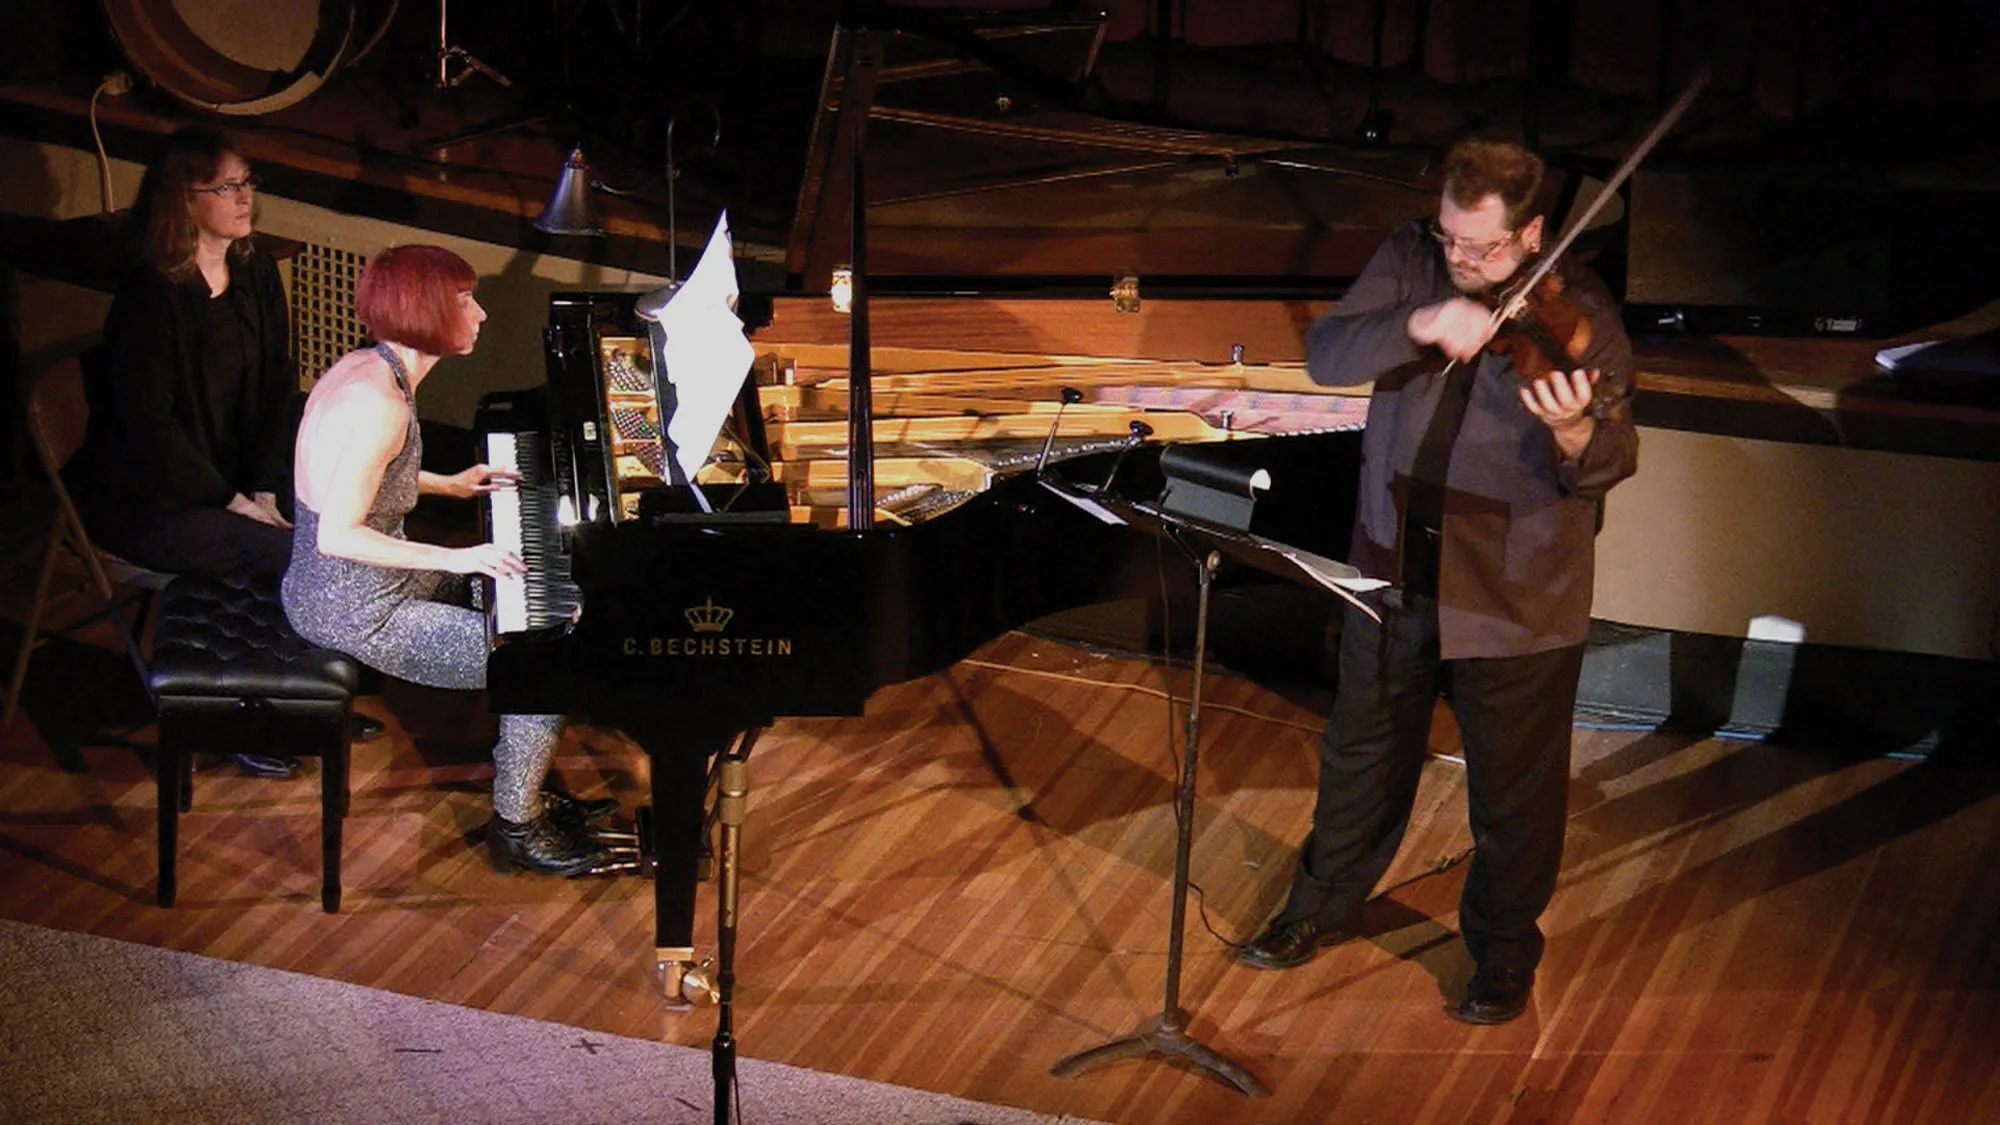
{"points": [[228, 672]]}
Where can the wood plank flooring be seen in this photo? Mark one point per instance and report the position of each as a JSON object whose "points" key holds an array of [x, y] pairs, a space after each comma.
{"points": [[970, 881]]}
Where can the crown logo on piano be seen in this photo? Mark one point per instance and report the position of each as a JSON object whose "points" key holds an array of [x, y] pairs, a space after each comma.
{"points": [[708, 617]]}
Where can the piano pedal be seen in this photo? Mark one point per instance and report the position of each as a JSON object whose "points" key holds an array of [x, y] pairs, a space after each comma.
{"points": [[618, 866], [704, 864]]}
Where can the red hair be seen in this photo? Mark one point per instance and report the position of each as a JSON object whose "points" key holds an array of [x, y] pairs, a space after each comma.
{"points": [[409, 295]]}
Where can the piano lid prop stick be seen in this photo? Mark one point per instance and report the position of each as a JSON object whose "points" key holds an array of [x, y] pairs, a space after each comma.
{"points": [[860, 397]]}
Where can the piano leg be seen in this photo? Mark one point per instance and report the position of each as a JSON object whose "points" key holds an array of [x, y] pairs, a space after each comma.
{"points": [[679, 753]]}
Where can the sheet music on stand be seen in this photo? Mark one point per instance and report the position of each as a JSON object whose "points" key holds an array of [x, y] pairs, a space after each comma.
{"points": [[1337, 578]]}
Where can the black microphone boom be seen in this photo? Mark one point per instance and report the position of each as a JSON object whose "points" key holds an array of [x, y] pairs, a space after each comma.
{"points": [[1140, 432], [1069, 395]]}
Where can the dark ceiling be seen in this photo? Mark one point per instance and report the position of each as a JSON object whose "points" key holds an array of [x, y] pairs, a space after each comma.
{"points": [[1833, 134]]}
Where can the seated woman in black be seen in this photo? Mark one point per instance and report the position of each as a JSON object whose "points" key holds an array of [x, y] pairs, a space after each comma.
{"points": [[193, 406], [192, 409]]}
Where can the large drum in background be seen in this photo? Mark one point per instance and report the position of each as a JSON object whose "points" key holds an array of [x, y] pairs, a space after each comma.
{"points": [[244, 57]]}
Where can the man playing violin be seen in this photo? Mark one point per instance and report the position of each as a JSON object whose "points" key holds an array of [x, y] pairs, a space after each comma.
{"points": [[1478, 502]]}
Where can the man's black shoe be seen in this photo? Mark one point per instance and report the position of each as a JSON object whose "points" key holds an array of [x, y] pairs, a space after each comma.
{"points": [[1289, 944], [1495, 996], [266, 765], [364, 729]]}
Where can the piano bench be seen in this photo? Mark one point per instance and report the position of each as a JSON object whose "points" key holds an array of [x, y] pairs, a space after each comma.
{"points": [[228, 669]]}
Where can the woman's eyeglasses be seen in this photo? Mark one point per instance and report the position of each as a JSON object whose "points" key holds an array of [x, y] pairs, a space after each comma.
{"points": [[227, 188], [1472, 251]]}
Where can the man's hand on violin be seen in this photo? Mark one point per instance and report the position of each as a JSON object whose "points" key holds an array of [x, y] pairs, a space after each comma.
{"points": [[1457, 327], [1562, 401]]}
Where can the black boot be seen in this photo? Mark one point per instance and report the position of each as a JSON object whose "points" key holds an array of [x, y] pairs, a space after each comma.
{"points": [[541, 845], [572, 811]]}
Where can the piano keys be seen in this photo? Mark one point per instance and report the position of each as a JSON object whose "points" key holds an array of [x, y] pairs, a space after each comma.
{"points": [[528, 518]]}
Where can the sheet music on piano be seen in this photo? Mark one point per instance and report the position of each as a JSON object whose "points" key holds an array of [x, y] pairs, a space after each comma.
{"points": [[700, 351]]}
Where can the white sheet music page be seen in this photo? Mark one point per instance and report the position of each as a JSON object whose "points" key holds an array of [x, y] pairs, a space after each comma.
{"points": [[707, 355], [1337, 577]]}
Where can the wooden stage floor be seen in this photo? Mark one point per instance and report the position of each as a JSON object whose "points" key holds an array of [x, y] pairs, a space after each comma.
{"points": [[970, 881]]}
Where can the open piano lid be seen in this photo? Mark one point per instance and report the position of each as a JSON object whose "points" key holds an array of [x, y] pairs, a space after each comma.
{"points": [[999, 210], [986, 170]]}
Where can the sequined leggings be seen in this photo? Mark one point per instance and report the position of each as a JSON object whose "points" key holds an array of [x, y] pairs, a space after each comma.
{"points": [[389, 621]]}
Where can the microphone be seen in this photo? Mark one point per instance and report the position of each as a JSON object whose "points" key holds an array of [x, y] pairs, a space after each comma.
{"points": [[1140, 432], [1069, 395]]}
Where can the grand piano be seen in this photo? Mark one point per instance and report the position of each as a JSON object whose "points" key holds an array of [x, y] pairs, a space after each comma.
{"points": [[876, 507]]}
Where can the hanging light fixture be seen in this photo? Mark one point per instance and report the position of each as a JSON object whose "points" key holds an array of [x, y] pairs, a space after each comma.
{"points": [[571, 210]]}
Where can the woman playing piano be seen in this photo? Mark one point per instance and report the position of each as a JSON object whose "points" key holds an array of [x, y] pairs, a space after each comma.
{"points": [[358, 585]]}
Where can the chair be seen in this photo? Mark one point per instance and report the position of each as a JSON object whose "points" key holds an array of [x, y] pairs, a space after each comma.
{"points": [[57, 414]]}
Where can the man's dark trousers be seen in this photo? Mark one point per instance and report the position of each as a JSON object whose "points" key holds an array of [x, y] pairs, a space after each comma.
{"points": [[1514, 714]]}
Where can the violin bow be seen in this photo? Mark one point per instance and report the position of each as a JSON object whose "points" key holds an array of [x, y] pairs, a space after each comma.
{"points": [[1604, 195]]}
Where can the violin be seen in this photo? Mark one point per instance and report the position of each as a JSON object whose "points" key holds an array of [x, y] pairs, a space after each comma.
{"points": [[1538, 327], [1541, 328]]}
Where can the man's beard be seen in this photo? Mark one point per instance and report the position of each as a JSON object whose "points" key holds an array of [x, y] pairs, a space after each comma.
{"points": [[1469, 282]]}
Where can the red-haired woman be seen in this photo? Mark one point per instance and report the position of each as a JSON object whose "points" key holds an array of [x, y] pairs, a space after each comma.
{"points": [[190, 427], [356, 584]]}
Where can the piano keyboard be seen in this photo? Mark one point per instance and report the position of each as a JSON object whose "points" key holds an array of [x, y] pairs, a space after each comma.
{"points": [[524, 520]]}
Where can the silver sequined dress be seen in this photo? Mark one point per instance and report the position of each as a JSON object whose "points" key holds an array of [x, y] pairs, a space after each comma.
{"points": [[400, 623]]}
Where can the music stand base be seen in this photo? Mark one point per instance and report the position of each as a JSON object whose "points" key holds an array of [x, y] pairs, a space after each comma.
{"points": [[1163, 1034]]}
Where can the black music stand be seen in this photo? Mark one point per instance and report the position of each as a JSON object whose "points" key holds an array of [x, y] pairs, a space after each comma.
{"points": [[1205, 511]]}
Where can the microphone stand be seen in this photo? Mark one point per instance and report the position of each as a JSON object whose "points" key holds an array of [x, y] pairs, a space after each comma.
{"points": [[732, 795], [449, 53]]}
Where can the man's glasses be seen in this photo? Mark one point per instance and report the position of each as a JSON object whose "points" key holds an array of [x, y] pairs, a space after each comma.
{"points": [[1472, 251], [227, 188]]}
